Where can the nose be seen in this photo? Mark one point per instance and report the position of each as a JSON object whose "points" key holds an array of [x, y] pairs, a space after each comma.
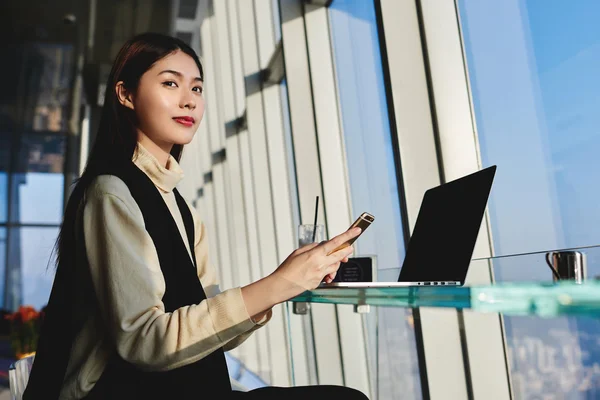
{"points": [[187, 101]]}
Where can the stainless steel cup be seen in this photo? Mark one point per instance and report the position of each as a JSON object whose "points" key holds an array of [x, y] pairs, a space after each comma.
{"points": [[567, 265]]}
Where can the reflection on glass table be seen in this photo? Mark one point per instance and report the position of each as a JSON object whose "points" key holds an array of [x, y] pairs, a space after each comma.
{"points": [[551, 357], [535, 292], [541, 299], [551, 328]]}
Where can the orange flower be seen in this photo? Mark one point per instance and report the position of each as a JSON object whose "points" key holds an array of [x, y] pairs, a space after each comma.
{"points": [[28, 313], [23, 314], [24, 329]]}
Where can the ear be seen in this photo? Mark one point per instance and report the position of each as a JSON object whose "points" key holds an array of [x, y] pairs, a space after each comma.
{"points": [[125, 96]]}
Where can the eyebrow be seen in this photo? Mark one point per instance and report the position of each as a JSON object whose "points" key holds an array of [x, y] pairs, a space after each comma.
{"points": [[179, 74]]}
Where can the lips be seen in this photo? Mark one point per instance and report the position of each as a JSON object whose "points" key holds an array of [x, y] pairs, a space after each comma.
{"points": [[186, 121]]}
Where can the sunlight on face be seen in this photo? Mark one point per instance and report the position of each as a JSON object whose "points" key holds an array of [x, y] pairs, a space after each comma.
{"points": [[168, 102]]}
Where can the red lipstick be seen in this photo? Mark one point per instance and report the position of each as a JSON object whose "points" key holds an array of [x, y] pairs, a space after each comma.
{"points": [[186, 121]]}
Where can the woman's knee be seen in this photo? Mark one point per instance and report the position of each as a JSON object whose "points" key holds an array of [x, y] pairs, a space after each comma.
{"points": [[320, 392], [349, 393], [358, 395]]}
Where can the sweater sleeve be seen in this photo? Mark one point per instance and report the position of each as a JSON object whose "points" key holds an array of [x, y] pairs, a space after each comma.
{"points": [[129, 285], [208, 276]]}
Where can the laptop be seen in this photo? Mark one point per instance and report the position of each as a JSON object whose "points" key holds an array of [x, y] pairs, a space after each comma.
{"points": [[440, 249]]}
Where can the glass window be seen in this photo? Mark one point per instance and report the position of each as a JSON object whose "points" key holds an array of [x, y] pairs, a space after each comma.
{"points": [[40, 89], [3, 241], [289, 148], [276, 19], [367, 136], [39, 176], [533, 72], [242, 375], [536, 91], [51, 66], [291, 168], [34, 114], [5, 140], [31, 266], [37, 198], [3, 196], [373, 182]]}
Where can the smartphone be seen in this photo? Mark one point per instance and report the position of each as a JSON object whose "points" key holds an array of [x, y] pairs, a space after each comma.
{"points": [[363, 222]]}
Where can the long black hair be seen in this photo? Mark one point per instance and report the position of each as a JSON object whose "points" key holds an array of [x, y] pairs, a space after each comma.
{"points": [[116, 138], [114, 145]]}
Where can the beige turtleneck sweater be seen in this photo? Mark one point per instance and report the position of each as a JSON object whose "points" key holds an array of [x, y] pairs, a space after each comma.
{"points": [[129, 284]]}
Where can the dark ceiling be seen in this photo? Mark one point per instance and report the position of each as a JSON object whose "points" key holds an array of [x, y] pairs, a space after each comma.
{"points": [[49, 21], [38, 20]]}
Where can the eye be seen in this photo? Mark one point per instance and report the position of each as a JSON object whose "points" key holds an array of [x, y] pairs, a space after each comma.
{"points": [[170, 84], [198, 89]]}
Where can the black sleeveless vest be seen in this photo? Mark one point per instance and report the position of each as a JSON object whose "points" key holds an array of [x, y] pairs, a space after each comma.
{"points": [[122, 380]]}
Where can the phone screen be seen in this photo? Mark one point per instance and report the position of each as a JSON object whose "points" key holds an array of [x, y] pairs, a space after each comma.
{"points": [[363, 222]]}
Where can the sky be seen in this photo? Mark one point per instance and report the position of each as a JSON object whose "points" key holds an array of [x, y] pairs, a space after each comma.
{"points": [[533, 69], [41, 202], [373, 181]]}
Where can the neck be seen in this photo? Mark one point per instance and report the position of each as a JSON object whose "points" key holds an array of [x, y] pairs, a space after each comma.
{"points": [[161, 151]]}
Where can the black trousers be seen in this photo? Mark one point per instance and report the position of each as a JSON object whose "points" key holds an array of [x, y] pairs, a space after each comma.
{"points": [[324, 392]]}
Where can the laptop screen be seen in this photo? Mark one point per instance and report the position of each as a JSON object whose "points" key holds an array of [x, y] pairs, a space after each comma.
{"points": [[443, 240]]}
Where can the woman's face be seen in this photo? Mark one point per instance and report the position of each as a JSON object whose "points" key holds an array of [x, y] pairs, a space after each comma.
{"points": [[168, 102]]}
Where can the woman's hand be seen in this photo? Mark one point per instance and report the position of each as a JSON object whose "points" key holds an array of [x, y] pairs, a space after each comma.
{"points": [[306, 267], [303, 270]]}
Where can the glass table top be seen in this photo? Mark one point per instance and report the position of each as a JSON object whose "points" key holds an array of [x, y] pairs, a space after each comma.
{"points": [[534, 298], [523, 286]]}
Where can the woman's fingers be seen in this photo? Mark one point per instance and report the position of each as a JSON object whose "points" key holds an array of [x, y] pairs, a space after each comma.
{"points": [[306, 248], [340, 255], [330, 277], [323, 260], [334, 244], [331, 269]]}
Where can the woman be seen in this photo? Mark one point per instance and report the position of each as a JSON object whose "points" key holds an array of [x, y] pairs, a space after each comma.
{"points": [[135, 310]]}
